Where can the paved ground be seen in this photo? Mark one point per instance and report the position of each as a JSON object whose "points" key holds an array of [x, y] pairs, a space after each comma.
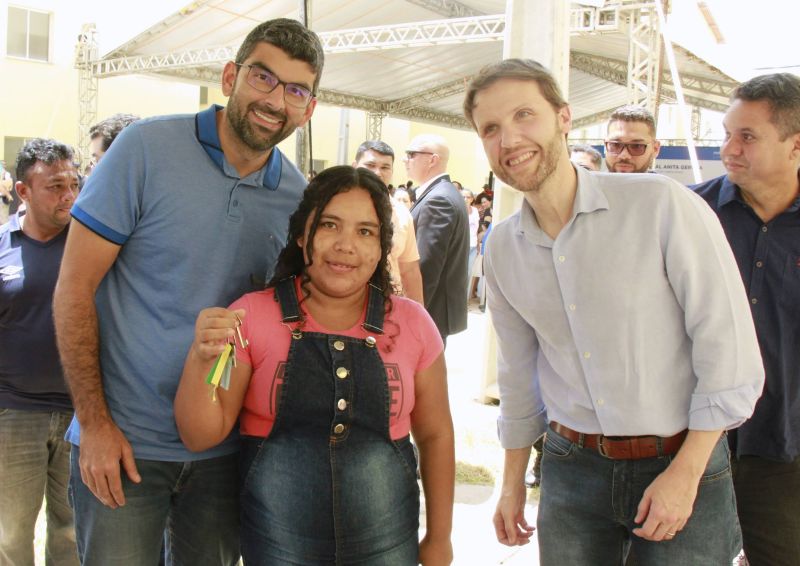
{"points": [[474, 542]]}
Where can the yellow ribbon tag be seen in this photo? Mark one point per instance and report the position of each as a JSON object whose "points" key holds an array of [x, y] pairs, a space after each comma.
{"points": [[215, 374]]}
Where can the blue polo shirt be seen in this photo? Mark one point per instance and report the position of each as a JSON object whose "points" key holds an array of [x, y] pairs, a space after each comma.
{"points": [[768, 255], [30, 372], [193, 234]]}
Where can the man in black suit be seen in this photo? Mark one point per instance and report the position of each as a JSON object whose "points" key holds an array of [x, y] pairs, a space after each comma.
{"points": [[442, 226]]}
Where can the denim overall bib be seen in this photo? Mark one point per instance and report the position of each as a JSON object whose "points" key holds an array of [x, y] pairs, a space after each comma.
{"points": [[329, 485]]}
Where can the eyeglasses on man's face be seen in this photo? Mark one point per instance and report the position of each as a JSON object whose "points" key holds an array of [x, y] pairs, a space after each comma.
{"points": [[634, 149], [411, 154], [264, 80]]}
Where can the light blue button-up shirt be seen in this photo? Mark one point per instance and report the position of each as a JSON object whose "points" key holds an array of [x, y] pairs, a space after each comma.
{"points": [[633, 321]]}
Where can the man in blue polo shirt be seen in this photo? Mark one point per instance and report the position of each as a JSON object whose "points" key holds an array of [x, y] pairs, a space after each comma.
{"points": [[758, 204], [182, 213], [35, 408]]}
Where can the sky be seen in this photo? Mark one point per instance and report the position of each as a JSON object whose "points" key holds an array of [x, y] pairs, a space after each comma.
{"points": [[758, 35]]}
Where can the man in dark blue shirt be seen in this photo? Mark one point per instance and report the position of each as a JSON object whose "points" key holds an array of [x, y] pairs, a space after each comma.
{"points": [[35, 408], [758, 203]]}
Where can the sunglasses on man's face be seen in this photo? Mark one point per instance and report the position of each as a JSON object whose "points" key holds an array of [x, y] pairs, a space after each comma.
{"points": [[634, 149]]}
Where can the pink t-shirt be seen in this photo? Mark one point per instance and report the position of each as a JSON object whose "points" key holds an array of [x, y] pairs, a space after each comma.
{"points": [[410, 343]]}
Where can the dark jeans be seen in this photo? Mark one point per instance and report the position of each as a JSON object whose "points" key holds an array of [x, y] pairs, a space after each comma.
{"points": [[768, 498], [588, 503], [189, 508]]}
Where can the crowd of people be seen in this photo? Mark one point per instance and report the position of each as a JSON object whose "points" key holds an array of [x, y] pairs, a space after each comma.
{"points": [[208, 355]]}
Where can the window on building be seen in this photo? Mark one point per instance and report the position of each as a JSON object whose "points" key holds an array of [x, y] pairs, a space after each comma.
{"points": [[28, 34]]}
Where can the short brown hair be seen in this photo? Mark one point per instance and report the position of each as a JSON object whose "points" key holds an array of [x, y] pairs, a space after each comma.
{"points": [[290, 36], [517, 69], [782, 92], [632, 113]]}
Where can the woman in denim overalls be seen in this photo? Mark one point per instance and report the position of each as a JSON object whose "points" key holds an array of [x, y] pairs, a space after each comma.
{"points": [[326, 477]]}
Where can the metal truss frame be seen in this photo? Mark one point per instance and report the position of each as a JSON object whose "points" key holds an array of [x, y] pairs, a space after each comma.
{"points": [[699, 88], [415, 34], [186, 58], [85, 53], [592, 119], [640, 75], [443, 90], [375, 106], [644, 57], [375, 125]]}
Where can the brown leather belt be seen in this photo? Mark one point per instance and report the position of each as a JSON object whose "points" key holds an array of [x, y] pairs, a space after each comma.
{"points": [[624, 447]]}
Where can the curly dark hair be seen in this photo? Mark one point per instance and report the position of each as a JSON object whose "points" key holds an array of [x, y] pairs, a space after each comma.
{"points": [[321, 189], [47, 151]]}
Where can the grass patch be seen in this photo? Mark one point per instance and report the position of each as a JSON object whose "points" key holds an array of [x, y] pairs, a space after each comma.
{"points": [[474, 475], [533, 495]]}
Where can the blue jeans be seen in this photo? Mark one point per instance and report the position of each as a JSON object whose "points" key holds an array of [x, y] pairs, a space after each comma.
{"points": [[329, 485], [588, 503], [370, 529], [34, 463], [190, 507]]}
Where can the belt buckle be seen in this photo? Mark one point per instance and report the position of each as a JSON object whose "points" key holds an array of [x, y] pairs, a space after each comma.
{"points": [[601, 447]]}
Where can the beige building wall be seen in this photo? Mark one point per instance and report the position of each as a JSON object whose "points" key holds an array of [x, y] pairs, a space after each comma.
{"points": [[40, 99], [145, 96]]}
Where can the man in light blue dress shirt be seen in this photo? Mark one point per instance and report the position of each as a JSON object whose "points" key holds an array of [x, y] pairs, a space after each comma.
{"points": [[623, 331]]}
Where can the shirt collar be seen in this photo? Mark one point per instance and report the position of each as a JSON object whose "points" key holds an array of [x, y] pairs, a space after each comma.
{"points": [[424, 186], [13, 223], [730, 192], [588, 198], [207, 135]]}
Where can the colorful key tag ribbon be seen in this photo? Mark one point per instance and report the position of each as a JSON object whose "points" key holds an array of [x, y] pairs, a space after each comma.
{"points": [[220, 374]]}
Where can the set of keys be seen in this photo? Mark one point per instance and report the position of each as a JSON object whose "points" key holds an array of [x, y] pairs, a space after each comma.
{"points": [[220, 374]]}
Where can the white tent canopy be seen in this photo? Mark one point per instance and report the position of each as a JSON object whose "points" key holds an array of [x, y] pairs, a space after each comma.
{"points": [[409, 58]]}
